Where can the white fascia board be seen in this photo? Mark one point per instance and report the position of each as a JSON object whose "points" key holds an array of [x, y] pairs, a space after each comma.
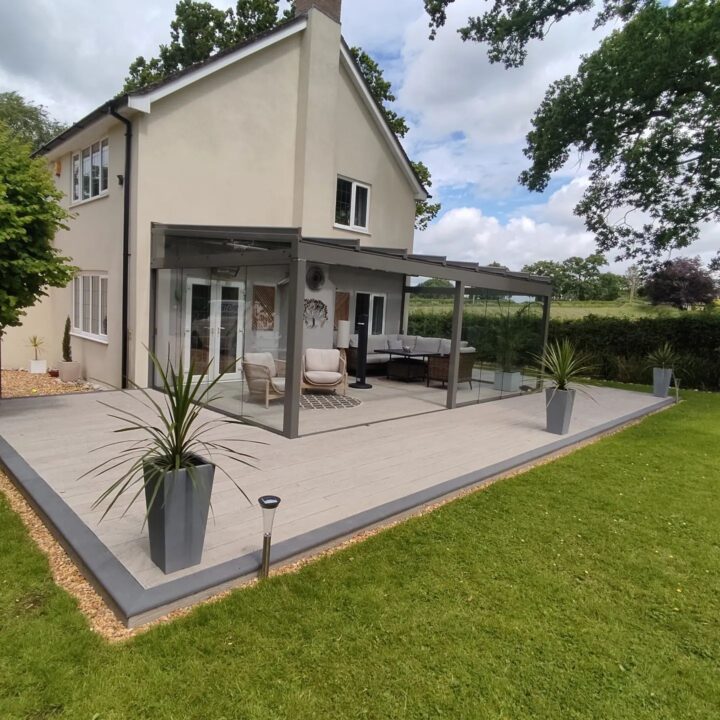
{"points": [[143, 103], [388, 134]]}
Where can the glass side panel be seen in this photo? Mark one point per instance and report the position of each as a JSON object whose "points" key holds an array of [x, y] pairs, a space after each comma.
{"points": [[199, 350], [343, 202]]}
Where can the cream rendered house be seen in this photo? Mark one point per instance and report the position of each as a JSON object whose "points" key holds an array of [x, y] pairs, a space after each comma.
{"points": [[249, 204], [280, 132]]}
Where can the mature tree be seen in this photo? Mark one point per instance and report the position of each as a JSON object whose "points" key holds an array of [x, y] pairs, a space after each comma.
{"points": [[633, 281], [555, 271], [200, 30], [607, 286], [30, 215], [645, 107], [682, 282], [29, 123]]}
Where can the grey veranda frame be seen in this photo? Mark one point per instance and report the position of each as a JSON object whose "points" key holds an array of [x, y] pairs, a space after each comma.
{"points": [[174, 440]]}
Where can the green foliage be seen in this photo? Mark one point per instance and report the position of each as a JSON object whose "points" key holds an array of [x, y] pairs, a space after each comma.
{"points": [[563, 364], [66, 346], [30, 215], [28, 123], [174, 440], [644, 107], [664, 357], [425, 211]]}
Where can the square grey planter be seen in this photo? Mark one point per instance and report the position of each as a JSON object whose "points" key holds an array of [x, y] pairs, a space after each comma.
{"points": [[70, 371], [178, 517], [661, 381], [559, 407], [507, 381]]}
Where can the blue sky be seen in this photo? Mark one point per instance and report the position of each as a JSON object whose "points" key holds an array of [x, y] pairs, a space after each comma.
{"points": [[468, 119]]}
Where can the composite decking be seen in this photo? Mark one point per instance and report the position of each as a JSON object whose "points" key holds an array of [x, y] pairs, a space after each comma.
{"points": [[331, 484]]}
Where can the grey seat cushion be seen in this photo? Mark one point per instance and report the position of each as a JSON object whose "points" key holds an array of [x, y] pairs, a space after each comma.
{"points": [[377, 358], [323, 377]]}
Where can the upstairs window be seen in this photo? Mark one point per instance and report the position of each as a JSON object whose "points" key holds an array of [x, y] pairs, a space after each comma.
{"points": [[90, 171], [352, 204]]}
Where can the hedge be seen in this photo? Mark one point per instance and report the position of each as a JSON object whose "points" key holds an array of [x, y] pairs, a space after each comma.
{"points": [[619, 346]]}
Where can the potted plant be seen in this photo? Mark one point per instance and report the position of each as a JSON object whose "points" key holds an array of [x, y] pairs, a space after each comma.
{"points": [[37, 366], [166, 464], [562, 363], [662, 361], [68, 370]]}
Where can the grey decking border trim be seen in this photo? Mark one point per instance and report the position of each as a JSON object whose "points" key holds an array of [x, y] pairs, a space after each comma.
{"points": [[130, 599]]}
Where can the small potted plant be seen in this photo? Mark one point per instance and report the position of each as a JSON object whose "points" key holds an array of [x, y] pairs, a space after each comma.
{"points": [[37, 366], [562, 364], [165, 463], [68, 370], [662, 361]]}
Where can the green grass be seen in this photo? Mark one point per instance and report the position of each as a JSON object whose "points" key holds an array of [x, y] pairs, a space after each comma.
{"points": [[561, 309], [586, 588]]}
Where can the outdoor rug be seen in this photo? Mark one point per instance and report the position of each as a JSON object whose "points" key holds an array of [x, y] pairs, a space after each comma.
{"points": [[326, 401]]}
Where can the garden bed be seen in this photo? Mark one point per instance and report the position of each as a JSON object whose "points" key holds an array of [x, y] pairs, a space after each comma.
{"points": [[21, 383]]}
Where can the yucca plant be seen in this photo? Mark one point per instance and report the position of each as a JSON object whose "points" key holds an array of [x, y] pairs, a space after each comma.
{"points": [[172, 441], [36, 343], [562, 363], [663, 357]]}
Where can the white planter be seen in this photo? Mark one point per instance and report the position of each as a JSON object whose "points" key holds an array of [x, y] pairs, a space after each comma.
{"points": [[70, 371], [507, 381], [38, 367]]}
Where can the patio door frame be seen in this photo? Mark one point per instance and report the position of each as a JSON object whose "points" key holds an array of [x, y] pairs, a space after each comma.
{"points": [[214, 321]]}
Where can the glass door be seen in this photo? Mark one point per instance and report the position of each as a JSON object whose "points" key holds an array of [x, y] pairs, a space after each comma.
{"points": [[214, 327]]}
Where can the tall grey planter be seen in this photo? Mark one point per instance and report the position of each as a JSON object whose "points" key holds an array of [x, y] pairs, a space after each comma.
{"points": [[178, 517], [559, 407], [661, 381]]}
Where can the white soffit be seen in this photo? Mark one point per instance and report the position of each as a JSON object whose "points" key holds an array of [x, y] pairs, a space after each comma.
{"points": [[388, 134], [143, 102]]}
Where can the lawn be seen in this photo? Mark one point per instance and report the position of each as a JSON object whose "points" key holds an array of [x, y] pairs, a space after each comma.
{"points": [[585, 588]]}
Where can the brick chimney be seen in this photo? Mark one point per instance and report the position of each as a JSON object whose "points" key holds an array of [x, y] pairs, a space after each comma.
{"points": [[331, 8]]}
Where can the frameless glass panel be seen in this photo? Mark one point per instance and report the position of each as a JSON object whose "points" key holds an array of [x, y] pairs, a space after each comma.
{"points": [[86, 171], [199, 325], [95, 185], [343, 202], [361, 206], [104, 165]]}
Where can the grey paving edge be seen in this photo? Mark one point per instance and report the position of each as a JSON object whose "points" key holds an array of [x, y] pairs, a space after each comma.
{"points": [[129, 599]]}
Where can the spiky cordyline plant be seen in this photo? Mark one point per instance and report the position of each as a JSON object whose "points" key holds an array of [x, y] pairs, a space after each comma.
{"points": [[562, 363], [173, 441], [664, 357]]}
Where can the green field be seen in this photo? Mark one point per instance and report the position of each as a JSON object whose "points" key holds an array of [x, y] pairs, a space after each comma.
{"points": [[586, 588], [561, 309]]}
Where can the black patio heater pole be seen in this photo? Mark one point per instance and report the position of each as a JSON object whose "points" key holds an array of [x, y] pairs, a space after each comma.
{"points": [[361, 327]]}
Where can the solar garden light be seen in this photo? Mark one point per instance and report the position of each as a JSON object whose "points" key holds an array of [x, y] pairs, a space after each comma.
{"points": [[269, 504]]}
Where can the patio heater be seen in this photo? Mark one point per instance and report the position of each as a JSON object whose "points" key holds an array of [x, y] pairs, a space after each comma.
{"points": [[269, 504], [361, 328]]}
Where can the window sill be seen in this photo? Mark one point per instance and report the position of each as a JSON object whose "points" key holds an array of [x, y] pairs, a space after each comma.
{"points": [[350, 228], [77, 203], [88, 336]]}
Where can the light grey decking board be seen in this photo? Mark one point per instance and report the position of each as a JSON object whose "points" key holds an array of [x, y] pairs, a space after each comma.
{"points": [[321, 478]]}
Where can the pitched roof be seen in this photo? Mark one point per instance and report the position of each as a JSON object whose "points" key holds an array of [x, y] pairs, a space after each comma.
{"points": [[142, 99]]}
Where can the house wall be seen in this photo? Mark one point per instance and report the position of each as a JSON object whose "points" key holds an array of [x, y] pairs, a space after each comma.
{"points": [[93, 242]]}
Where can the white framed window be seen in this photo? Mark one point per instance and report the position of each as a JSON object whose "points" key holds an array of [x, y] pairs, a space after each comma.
{"points": [[376, 304], [352, 205], [90, 171], [90, 306]]}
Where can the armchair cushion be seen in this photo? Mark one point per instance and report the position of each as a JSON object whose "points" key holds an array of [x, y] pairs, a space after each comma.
{"points": [[278, 384], [323, 377], [263, 358], [322, 360]]}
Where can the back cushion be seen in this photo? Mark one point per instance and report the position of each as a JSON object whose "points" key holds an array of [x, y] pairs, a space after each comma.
{"points": [[427, 345], [377, 342], [395, 343], [264, 358], [445, 346], [322, 360], [408, 341]]}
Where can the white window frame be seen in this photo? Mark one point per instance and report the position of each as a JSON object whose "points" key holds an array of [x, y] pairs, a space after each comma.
{"points": [[76, 316], [353, 194], [78, 156], [371, 305]]}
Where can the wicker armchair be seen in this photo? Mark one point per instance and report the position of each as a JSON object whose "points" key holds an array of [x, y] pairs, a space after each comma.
{"points": [[323, 370], [264, 376], [438, 368]]}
